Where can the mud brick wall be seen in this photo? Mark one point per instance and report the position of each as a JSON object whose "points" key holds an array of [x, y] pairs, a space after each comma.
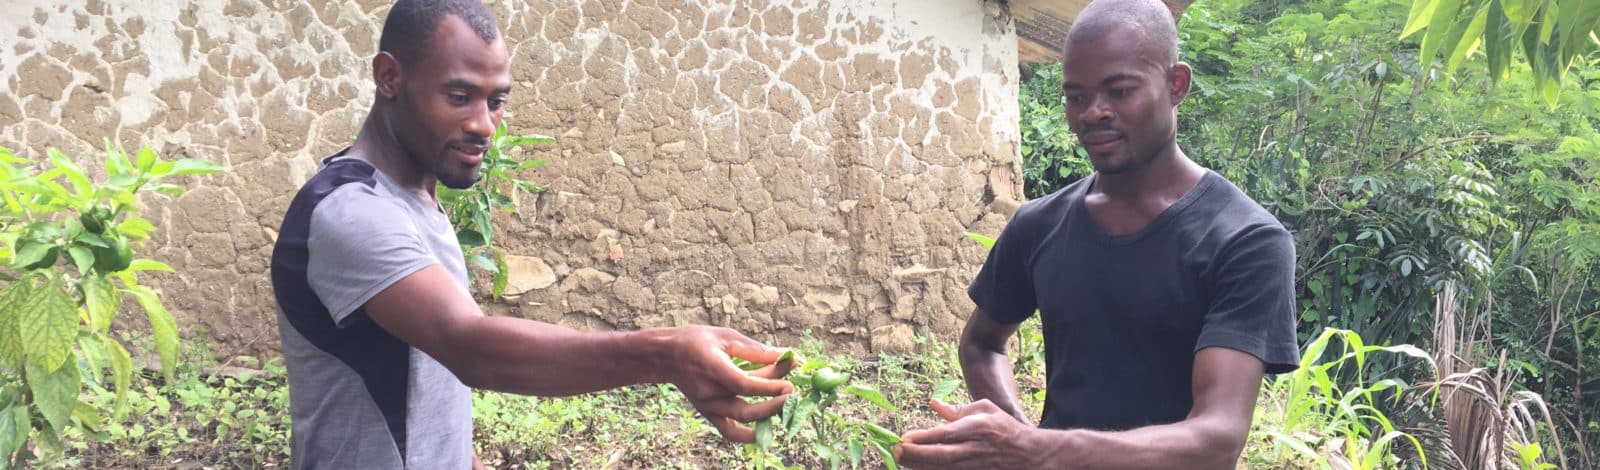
{"points": [[772, 166]]}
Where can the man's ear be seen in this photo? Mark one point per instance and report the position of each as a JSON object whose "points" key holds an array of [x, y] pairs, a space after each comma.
{"points": [[1180, 79], [387, 74]]}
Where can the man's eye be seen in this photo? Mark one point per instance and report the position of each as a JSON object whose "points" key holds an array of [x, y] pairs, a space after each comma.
{"points": [[1120, 92], [458, 100], [1073, 99], [497, 103]]}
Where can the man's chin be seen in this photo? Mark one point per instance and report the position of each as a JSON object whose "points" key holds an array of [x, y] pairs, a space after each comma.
{"points": [[460, 182]]}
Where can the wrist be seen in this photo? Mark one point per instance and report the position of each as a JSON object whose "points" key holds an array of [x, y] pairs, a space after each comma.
{"points": [[655, 353], [1050, 447]]}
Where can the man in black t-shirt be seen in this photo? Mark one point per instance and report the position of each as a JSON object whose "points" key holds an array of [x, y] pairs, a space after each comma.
{"points": [[1165, 292]]}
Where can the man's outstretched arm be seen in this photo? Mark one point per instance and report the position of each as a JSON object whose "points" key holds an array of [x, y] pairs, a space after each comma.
{"points": [[428, 311], [982, 435]]}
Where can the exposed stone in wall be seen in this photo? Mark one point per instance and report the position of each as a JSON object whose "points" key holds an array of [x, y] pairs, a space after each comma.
{"points": [[771, 166]]}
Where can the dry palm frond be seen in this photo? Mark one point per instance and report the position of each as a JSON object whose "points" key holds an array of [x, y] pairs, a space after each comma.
{"points": [[1484, 420]]}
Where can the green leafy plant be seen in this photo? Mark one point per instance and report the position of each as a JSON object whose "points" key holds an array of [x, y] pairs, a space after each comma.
{"points": [[1311, 410], [66, 239], [472, 210], [1051, 156], [809, 417], [1553, 35]]}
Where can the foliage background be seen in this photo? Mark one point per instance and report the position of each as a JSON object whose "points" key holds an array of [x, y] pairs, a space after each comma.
{"points": [[1398, 179]]}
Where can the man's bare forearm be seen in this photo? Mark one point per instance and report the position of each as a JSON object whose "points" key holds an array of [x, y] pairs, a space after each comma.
{"points": [[1194, 443], [535, 358], [989, 376]]}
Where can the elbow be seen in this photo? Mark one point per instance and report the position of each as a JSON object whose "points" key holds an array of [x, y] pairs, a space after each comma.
{"points": [[1220, 449]]}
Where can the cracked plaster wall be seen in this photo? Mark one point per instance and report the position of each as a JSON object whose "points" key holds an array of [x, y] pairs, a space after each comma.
{"points": [[770, 166]]}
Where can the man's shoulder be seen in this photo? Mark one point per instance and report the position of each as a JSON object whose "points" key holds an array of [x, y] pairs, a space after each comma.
{"points": [[1052, 206], [1230, 209]]}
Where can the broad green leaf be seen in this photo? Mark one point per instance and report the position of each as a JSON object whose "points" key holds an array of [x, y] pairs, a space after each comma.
{"points": [[49, 322], [55, 392], [1444, 15], [190, 166], [483, 261], [136, 226], [502, 274], [1470, 39], [1499, 35], [122, 375], [945, 388], [161, 326], [879, 434], [888, 455], [81, 257], [12, 302], [764, 434], [802, 412], [122, 182], [17, 419], [74, 175], [142, 264], [87, 416], [11, 436], [116, 161], [526, 164], [1293, 443], [469, 238], [856, 452], [166, 189], [869, 394], [1547, 26], [1421, 15], [161, 169], [31, 253], [1520, 11], [145, 159], [91, 239], [102, 300]]}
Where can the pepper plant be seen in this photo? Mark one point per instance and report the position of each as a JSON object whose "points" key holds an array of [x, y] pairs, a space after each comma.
{"points": [[472, 210], [67, 244], [808, 416]]}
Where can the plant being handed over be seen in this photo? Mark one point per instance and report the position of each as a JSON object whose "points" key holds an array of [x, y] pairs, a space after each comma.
{"points": [[808, 419]]}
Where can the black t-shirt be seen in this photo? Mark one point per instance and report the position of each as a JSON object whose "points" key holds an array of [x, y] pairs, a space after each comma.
{"points": [[1124, 315]]}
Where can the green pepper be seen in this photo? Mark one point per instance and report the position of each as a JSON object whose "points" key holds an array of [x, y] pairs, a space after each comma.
{"points": [[94, 220], [115, 258], [826, 379]]}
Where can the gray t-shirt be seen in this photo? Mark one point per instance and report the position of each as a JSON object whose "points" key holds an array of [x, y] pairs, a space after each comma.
{"points": [[359, 397], [1124, 315]]}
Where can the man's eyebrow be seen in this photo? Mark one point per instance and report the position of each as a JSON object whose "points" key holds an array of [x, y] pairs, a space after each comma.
{"points": [[1109, 80], [1119, 77], [462, 84]]}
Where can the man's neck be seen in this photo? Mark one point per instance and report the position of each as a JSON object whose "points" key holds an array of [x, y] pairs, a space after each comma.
{"points": [[1171, 172], [378, 145]]}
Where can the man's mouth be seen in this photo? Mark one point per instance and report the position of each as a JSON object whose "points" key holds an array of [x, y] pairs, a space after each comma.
{"points": [[471, 154], [1100, 137]]}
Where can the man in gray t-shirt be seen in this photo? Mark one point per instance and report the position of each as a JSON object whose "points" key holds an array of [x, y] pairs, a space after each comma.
{"points": [[380, 332]]}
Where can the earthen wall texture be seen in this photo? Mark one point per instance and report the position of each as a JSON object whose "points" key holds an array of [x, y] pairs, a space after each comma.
{"points": [[776, 167]]}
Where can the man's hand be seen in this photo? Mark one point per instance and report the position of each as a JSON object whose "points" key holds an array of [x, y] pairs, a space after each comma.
{"points": [[977, 435], [701, 365]]}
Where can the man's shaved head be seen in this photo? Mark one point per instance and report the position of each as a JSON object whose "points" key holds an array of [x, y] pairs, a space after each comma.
{"points": [[1149, 19]]}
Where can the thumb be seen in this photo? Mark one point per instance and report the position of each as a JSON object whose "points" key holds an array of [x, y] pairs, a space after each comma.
{"points": [[945, 410]]}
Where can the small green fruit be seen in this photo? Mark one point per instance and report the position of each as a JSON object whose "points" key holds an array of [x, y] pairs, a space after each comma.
{"points": [[826, 379]]}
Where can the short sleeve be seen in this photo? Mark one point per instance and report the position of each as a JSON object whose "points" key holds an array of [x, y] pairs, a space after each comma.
{"points": [[1004, 286], [1253, 305], [360, 244]]}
